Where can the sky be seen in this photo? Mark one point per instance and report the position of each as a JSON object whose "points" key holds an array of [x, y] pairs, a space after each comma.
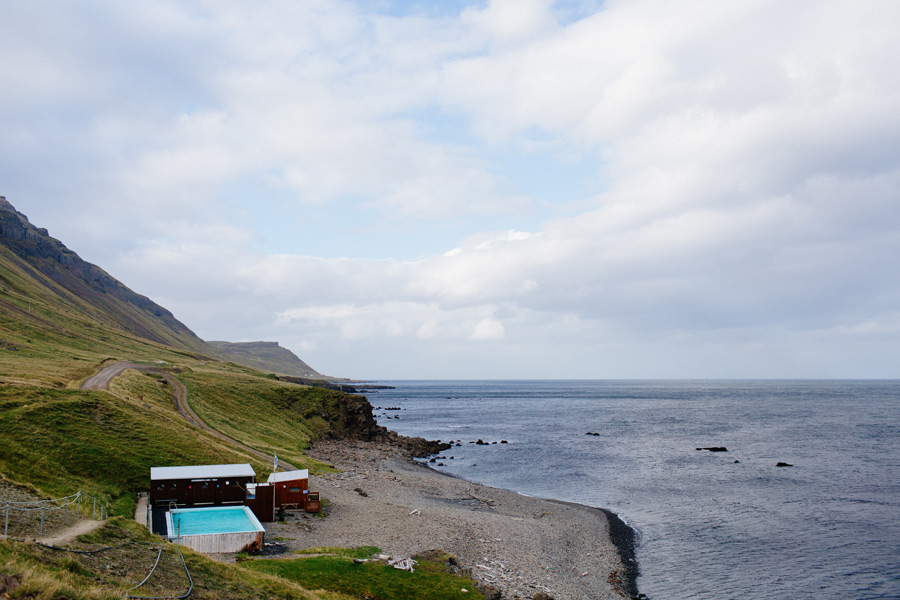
{"points": [[504, 189]]}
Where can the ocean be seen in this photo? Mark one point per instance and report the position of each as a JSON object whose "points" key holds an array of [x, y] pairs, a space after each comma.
{"points": [[710, 525]]}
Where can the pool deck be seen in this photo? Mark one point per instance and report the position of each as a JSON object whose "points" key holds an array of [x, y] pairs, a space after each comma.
{"points": [[215, 543]]}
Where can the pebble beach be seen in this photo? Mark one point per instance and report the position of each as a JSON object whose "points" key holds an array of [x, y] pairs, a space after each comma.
{"points": [[512, 544]]}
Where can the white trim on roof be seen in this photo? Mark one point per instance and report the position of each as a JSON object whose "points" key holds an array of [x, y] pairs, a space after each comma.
{"points": [[201, 472], [288, 476]]}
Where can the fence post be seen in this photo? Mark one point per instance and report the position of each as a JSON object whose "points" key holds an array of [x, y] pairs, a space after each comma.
{"points": [[6, 521], [42, 517], [79, 503], [66, 509], [94, 514]]}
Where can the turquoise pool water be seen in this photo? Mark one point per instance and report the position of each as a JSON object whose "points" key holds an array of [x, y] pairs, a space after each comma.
{"points": [[205, 521]]}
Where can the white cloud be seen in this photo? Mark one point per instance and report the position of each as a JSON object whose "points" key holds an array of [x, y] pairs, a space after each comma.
{"points": [[488, 329], [223, 158]]}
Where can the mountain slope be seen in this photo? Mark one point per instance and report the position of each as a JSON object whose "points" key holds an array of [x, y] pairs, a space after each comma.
{"points": [[61, 277], [49, 294], [266, 356]]}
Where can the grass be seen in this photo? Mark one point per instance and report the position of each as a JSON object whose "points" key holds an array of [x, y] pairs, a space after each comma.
{"points": [[62, 441], [337, 571], [358, 552], [50, 340], [58, 325], [265, 414], [44, 573]]}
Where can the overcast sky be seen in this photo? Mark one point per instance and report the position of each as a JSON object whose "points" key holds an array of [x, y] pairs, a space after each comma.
{"points": [[505, 189]]}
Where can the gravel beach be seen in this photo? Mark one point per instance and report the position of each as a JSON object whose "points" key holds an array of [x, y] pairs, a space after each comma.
{"points": [[517, 544]]}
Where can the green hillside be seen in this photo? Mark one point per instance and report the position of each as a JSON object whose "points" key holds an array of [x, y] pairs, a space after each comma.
{"points": [[61, 320]]}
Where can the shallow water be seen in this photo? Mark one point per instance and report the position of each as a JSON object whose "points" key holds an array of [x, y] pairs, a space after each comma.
{"points": [[711, 525]]}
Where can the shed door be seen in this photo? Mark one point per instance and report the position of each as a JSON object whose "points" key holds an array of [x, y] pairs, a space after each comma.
{"points": [[204, 492]]}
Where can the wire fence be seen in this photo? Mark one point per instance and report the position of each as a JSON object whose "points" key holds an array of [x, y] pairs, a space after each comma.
{"points": [[160, 586], [35, 517]]}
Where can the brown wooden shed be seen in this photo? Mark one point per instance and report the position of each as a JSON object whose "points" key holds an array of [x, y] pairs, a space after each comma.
{"points": [[292, 490]]}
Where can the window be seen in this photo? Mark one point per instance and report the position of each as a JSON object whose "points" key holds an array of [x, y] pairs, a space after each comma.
{"points": [[296, 490]]}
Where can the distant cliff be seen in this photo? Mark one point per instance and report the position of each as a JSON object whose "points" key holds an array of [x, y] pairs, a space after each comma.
{"points": [[266, 356]]}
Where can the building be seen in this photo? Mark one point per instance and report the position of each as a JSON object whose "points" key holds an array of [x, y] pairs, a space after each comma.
{"points": [[292, 490], [196, 486]]}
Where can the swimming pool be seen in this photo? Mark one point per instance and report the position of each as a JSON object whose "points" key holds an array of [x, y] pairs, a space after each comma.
{"points": [[217, 529]]}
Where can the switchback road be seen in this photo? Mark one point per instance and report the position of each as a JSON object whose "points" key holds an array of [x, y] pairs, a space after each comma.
{"points": [[100, 382]]}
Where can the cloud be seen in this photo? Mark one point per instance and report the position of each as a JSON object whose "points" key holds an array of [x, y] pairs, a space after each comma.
{"points": [[350, 182], [488, 329]]}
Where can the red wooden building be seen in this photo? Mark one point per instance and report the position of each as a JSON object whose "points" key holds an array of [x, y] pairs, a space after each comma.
{"points": [[292, 490]]}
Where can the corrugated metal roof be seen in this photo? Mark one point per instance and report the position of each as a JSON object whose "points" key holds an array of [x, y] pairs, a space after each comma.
{"points": [[201, 471], [288, 476]]}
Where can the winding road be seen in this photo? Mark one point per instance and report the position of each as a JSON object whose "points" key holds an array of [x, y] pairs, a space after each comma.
{"points": [[100, 382]]}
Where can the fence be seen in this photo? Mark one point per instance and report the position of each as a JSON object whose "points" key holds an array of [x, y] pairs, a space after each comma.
{"points": [[129, 594], [53, 512]]}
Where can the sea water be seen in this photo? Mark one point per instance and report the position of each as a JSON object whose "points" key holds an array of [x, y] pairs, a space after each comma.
{"points": [[710, 525]]}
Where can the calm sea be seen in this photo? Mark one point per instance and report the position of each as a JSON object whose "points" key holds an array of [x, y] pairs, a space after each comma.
{"points": [[711, 525]]}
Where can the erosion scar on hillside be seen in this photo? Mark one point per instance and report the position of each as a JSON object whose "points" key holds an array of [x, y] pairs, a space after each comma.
{"points": [[100, 382]]}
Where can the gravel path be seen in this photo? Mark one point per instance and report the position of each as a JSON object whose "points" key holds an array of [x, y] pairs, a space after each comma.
{"points": [[518, 544], [67, 535]]}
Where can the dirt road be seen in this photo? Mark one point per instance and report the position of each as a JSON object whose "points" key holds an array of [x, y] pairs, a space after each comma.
{"points": [[100, 382]]}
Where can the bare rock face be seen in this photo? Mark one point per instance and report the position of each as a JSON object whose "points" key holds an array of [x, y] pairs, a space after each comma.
{"points": [[351, 418]]}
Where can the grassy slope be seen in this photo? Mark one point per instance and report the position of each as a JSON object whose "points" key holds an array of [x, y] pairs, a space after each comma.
{"points": [[265, 414], [49, 339], [60, 441], [56, 439], [45, 573]]}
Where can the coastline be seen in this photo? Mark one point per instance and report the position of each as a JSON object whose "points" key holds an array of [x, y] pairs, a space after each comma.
{"points": [[513, 544]]}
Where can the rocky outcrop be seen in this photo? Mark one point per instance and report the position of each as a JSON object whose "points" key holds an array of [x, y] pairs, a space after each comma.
{"points": [[341, 416], [358, 423]]}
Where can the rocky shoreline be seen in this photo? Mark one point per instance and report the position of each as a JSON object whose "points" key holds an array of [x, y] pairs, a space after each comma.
{"points": [[515, 546]]}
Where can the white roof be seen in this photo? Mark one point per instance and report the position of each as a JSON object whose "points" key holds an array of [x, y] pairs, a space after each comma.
{"points": [[201, 472], [288, 476]]}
